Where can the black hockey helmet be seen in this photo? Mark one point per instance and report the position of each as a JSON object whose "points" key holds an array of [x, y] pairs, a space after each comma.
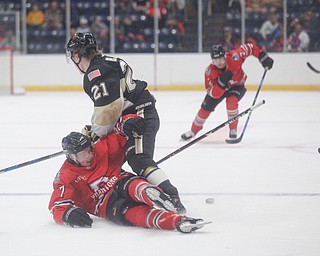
{"points": [[217, 51], [75, 142], [81, 43]]}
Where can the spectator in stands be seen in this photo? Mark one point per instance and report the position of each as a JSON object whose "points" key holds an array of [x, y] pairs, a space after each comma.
{"points": [[277, 43], [263, 6], [9, 40], [119, 34], [268, 27], [234, 6], [308, 21], [35, 17], [98, 25], [177, 7], [103, 39], [140, 6], [298, 40], [208, 6], [255, 6], [267, 30], [229, 41], [53, 16], [83, 25], [173, 22], [123, 7], [163, 11], [131, 30]]}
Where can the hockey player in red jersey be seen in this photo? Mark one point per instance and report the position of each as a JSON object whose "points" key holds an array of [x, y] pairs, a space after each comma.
{"points": [[225, 79], [109, 83], [91, 181]]}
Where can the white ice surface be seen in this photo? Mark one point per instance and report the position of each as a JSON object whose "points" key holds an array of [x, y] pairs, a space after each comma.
{"points": [[266, 188]]}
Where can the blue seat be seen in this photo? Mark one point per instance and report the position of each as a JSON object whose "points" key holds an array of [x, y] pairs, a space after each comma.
{"points": [[146, 47], [148, 34], [167, 47], [168, 35]]}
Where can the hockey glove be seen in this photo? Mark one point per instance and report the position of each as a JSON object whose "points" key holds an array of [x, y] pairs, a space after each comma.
{"points": [[77, 217], [86, 130], [131, 125], [224, 79], [265, 60]]}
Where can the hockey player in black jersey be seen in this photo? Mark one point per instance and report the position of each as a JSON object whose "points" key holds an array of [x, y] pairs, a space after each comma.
{"points": [[109, 83]]}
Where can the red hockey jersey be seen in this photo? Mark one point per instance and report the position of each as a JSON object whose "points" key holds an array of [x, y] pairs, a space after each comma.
{"points": [[89, 188], [235, 59]]}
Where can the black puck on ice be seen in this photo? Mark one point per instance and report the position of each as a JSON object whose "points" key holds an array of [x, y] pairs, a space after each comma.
{"points": [[319, 150]]}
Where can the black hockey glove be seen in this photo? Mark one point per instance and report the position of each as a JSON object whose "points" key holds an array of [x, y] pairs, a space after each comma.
{"points": [[265, 60], [77, 217], [134, 127], [86, 130], [224, 79]]}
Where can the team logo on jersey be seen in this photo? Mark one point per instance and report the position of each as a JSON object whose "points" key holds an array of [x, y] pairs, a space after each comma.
{"points": [[93, 74], [57, 178], [235, 56]]}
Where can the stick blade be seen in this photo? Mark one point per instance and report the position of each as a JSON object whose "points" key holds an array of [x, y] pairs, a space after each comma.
{"points": [[234, 141], [312, 68]]}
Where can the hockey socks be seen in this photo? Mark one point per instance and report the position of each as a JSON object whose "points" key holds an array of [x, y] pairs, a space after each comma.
{"points": [[149, 217], [199, 120], [232, 110]]}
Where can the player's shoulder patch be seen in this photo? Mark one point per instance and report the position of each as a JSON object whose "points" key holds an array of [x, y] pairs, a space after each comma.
{"points": [[208, 70], [93, 74], [57, 178], [235, 56]]}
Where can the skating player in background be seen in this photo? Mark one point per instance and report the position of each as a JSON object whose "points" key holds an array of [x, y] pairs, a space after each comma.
{"points": [[91, 181], [109, 82], [225, 79]]}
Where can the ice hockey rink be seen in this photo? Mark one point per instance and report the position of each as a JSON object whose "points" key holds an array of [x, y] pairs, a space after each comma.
{"points": [[266, 188]]}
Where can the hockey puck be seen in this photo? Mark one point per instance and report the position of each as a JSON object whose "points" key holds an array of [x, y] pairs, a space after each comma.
{"points": [[319, 150], [210, 200]]}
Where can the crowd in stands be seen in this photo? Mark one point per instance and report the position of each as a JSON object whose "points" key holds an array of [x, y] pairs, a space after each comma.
{"points": [[134, 24], [264, 25]]}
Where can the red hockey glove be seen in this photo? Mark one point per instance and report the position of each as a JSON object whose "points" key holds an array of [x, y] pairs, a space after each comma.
{"points": [[265, 60], [77, 217], [223, 80], [131, 126]]}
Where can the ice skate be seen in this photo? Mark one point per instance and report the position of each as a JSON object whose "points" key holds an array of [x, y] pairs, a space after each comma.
{"points": [[160, 199], [233, 134], [187, 225], [187, 135], [178, 205]]}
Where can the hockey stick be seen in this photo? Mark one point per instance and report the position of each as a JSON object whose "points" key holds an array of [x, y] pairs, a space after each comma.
{"points": [[237, 140], [249, 110], [312, 68], [30, 162]]}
